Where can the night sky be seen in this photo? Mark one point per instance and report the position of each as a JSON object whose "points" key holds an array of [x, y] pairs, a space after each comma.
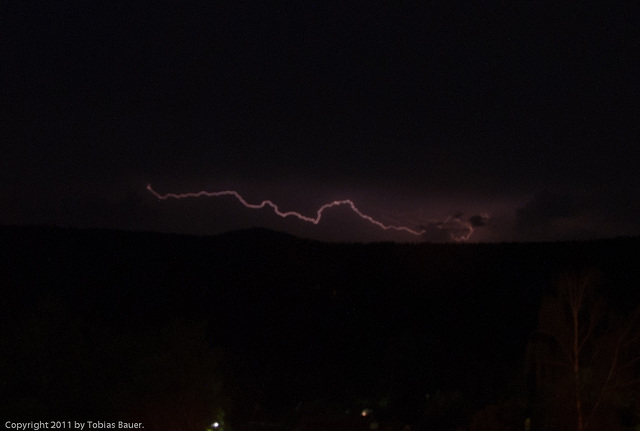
{"points": [[507, 121]]}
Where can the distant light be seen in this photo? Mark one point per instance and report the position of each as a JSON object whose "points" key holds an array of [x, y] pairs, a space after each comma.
{"points": [[366, 412], [215, 424]]}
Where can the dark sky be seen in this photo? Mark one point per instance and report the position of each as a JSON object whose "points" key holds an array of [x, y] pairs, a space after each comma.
{"points": [[499, 121]]}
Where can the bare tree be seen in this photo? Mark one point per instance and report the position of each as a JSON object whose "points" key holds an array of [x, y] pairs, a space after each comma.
{"points": [[584, 356]]}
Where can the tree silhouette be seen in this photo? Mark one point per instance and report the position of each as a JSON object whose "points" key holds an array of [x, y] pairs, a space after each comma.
{"points": [[584, 358]]}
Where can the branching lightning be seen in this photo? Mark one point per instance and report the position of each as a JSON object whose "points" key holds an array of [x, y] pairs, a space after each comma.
{"points": [[458, 229]]}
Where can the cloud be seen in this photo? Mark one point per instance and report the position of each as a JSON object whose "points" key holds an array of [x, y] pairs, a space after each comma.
{"points": [[454, 227], [550, 216], [578, 215], [546, 206], [434, 233], [479, 220]]}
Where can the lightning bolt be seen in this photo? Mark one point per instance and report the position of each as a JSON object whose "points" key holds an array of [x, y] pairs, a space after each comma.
{"points": [[315, 220]]}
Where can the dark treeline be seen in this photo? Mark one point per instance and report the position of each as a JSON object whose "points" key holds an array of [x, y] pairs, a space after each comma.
{"points": [[255, 326]]}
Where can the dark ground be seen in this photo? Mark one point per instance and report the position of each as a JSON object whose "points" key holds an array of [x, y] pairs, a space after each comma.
{"points": [[112, 325]]}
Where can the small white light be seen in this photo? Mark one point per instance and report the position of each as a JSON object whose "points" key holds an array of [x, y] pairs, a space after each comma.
{"points": [[215, 424]]}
